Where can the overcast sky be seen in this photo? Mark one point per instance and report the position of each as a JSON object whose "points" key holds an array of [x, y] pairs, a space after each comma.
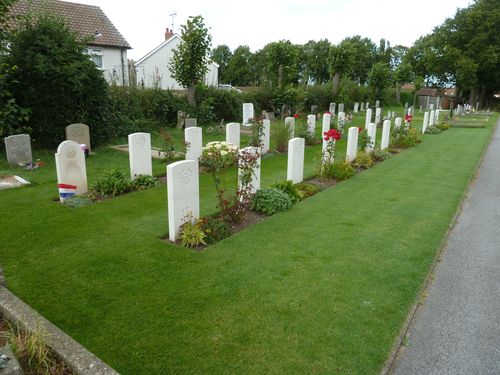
{"points": [[256, 22]]}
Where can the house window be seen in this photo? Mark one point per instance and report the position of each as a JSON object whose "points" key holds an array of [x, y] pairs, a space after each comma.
{"points": [[95, 55]]}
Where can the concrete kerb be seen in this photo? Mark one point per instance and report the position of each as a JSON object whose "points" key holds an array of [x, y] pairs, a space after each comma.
{"points": [[398, 344], [79, 359]]}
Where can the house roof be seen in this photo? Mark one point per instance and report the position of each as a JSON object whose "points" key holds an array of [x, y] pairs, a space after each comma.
{"points": [[83, 19], [428, 91], [164, 43]]}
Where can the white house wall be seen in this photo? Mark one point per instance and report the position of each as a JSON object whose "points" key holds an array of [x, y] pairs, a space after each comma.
{"points": [[112, 64], [154, 71]]}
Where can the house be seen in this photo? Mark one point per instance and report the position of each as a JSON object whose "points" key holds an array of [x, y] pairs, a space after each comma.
{"points": [[153, 69], [437, 97], [108, 49]]}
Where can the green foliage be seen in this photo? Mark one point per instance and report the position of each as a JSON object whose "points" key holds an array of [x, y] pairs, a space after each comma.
{"points": [[404, 137], [270, 201], [363, 140], [280, 61], [240, 70], [222, 55], [167, 144], [143, 182], [342, 171], [363, 160], [380, 155], [433, 130], [281, 133], [443, 126], [191, 234], [215, 229], [189, 63], [307, 189], [55, 79], [112, 183], [380, 77], [289, 188], [313, 53], [222, 104]]}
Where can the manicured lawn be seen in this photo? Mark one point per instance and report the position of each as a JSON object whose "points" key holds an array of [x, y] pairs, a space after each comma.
{"points": [[322, 288]]}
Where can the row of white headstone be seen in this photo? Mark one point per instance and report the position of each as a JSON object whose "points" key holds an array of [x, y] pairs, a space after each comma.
{"points": [[430, 119]]}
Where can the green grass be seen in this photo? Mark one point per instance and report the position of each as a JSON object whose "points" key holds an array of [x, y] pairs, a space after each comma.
{"points": [[322, 288]]}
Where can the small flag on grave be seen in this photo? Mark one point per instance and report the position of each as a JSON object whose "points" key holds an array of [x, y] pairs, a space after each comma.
{"points": [[66, 191]]}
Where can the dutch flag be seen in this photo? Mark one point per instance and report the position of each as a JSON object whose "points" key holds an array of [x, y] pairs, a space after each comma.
{"points": [[66, 191]]}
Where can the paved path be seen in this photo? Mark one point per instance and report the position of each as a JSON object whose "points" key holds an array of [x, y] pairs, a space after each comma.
{"points": [[457, 330]]}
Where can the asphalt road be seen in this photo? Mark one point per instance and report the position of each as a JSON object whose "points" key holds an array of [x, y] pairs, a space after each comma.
{"points": [[457, 330]]}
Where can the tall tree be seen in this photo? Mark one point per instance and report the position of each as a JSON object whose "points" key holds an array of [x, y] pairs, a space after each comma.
{"points": [[402, 74], [380, 77], [281, 60], [221, 55], [190, 61], [363, 56], [314, 68], [239, 69], [340, 62]]}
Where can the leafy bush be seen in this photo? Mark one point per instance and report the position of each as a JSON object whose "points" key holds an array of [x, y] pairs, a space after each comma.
{"points": [[363, 139], [342, 171], [433, 130], [281, 134], [215, 229], [143, 182], [307, 189], [112, 183], [444, 126], [289, 188], [363, 160], [380, 155], [270, 201], [404, 137], [191, 234]]}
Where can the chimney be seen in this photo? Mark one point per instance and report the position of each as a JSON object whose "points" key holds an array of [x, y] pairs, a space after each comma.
{"points": [[169, 34]]}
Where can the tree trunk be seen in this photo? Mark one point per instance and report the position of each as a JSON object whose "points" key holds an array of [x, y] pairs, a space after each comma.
{"points": [[191, 96], [482, 97], [280, 75], [335, 85], [398, 93], [472, 97]]}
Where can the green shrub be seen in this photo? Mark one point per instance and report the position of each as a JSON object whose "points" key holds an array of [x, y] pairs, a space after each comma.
{"points": [[433, 130], [143, 182], [404, 137], [270, 201], [191, 234], [307, 189], [289, 188], [112, 183], [444, 126], [281, 134], [342, 171], [380, 155], [215, 229], [363, 160]]}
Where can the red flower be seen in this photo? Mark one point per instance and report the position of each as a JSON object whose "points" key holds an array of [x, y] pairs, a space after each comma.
{"points": [[296, 116], [327, 113], [332, 134], [408, 118], [360, 129]]}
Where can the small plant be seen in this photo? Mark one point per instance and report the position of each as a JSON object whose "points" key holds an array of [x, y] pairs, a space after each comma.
{"points": [[215, 229], [168, 145], [289, 189], [113, 183], [342, 171], [433, 130], [307, 189], [380, 155], [363, 139], [281, 133], [444, 126], [328, 157], [404, 137], [363, 160], [191, 234], [257, 133], [270, 201], [143, 182]]}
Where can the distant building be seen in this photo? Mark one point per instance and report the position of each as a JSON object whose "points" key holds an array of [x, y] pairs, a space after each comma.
{"points": [[108, 50], [153, 69]]}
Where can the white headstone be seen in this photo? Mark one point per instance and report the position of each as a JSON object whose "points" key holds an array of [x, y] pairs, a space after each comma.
{"points": [[194, 143], [356, 107], [18, 148], [426, 122], [248, 113], [386, 135], [332, 108], [233, 133], [311, 125], [78, 133], [71, 170], [256, 171], [295, 171], [341, 107], [397, 123], [431, 118], [183, 195], [410, 109], [341, 122], [377, 104], [368, 118], [367, 105], [327, 118], [352, 144], [266, 141], [190, 122], [378, 114], [362, 106], [290, 122], [372, 136], [431, 107], [139, 151], [436, 120]]}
